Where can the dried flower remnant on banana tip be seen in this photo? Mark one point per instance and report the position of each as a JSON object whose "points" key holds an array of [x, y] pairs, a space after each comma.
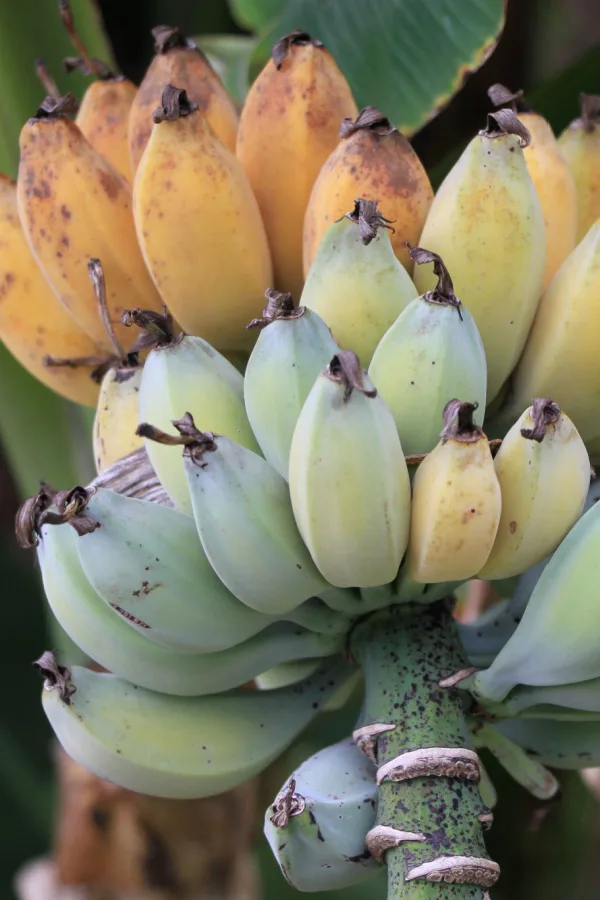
{"points": [[52, 507]]}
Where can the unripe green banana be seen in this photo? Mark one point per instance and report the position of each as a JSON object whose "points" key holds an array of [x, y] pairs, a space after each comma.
{"points": [[562, 745], [187, 374], [356, 283], [544, 474], [486, 222], [349, 482], [319, 821], [147, 562], [527, 771], [432, 353], [561, 614], [107, 638], [293, 348], [575, 702], [178, 747], [484, 638], [286, 673], [245, 522]]}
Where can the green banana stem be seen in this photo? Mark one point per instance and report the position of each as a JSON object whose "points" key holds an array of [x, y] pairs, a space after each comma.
{"points": [[429, 822]]}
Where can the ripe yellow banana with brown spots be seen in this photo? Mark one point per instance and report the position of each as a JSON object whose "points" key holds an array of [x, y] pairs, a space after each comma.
{"points": [[288, 127], [372, 160], [103, 116], [456, 503], [199, 227], [33, 322], [73, 205], [179, 61]]}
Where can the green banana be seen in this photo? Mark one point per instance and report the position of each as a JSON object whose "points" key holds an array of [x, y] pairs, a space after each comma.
{"points": [[562, 745], [188, 374], [486, 222], [484, 638], [528, 772], [432, 353], [571, 702], [561, 615], [147, 563], [178, 747], [128, 653], [349, 482], [356, 283], [293, 348], [245, 521], [286, 673], [319, 821]]}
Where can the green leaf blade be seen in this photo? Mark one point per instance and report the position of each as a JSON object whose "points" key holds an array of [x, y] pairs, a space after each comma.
{"points": [[406, 57]]}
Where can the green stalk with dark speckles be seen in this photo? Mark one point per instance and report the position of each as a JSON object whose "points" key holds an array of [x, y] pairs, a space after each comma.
{"points": [[404, 653]]}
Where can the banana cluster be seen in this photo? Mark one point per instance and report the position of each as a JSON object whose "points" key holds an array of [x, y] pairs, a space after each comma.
{"points": [[326, 458]]}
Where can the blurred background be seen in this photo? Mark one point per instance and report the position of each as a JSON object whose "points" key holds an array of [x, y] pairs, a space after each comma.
{"points": [[551, 48]]}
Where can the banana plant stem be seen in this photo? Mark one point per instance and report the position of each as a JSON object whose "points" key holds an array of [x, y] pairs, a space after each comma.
{"points": [[430, 814]]}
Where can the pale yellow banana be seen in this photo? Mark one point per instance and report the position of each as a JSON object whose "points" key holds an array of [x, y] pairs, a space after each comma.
{"points": [[544, 474], [580, 146], [486, 223], [456, 503], [552, 178], [561, 358]]}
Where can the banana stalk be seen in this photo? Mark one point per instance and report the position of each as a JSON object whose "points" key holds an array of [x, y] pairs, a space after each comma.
{"points": [[414, 727]]}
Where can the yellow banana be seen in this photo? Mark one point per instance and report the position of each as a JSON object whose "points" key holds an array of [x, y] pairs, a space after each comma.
{"points": [[456, 503], [103, 116], [580, 146], [288, 127], [552, 178], [372, 160], [117, 410], [561, 358], [486, 223], [73, 205], [544, 474], [199, 227], [103, 119], [117, 416], [179, 61], [33, 322]]}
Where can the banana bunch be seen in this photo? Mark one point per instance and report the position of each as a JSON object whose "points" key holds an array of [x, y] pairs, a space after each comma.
{"points": [[374, 438]]}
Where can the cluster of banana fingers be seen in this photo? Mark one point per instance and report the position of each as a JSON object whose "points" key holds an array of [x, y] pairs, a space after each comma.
{"points": [[319, 459]]}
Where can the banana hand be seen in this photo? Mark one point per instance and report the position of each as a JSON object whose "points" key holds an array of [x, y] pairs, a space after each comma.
{"points": [[178, 747]]}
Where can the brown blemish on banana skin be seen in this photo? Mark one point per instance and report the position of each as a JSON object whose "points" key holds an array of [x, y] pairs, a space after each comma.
{"points": [[111, 183]]}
